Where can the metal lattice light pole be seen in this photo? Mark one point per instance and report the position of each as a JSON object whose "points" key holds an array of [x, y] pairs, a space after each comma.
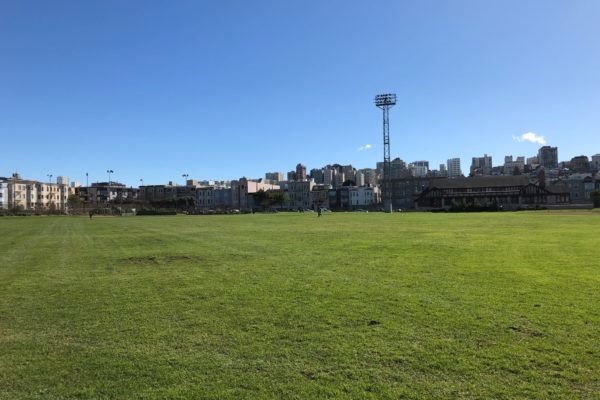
{"points": [[109, 171], [385, 102], [185, 176]]}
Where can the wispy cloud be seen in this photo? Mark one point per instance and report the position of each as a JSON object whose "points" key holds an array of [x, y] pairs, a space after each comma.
{"points": [[365, 147], [530, 137]]}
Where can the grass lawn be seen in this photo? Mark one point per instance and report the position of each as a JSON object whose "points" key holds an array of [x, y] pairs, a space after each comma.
{"points": [[284, 306]]}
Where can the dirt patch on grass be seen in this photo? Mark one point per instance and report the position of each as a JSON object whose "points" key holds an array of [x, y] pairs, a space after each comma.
{"points": [[525, 331], [161, 260]]}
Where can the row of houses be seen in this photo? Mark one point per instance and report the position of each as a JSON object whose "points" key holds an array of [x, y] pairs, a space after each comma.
{"points": [[243, 194], [408, 192]]}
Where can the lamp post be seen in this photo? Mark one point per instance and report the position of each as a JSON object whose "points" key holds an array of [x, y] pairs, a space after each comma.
{"points": [[185, 176], [142, 180], [86, 180], [49, 177], [109, 171]]}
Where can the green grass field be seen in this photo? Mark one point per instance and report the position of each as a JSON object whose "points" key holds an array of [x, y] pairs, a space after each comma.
{"points": [[286, 306]]}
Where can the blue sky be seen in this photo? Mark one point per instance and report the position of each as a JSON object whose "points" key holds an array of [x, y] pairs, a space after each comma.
{"points": [[225, 89]]}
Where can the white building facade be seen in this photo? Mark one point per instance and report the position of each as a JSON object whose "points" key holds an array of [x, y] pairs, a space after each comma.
{"points": [[454, 167]]}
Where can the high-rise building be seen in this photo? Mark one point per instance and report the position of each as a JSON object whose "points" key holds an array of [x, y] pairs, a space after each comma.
{"points": [[370, 176], [514, 167], [443, 171], [300, 172], [359, 178], [532, 161], [580, 164], [317, 175], [348, 171], [548, 157], [454, 167], [291, 176], [338, 179], [328, 174], [62, 180], [481, 165], [419, 168], [274, 177]]}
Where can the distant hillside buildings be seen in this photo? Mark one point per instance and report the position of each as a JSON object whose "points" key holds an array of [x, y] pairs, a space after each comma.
{"points": [[520, 182]]}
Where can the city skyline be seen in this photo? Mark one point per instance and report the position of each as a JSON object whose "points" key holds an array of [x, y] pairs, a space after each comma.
{"points": [[220, 91], [86, 179]]}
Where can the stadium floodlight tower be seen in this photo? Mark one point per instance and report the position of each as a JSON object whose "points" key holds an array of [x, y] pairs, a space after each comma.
{"points": [[385, 102]]}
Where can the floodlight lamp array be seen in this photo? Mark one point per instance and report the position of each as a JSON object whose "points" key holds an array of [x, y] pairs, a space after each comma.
{"points": [[386, 99]]}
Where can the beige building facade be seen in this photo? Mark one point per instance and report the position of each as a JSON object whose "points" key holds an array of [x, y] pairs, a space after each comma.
{"points": [[30, 195]]}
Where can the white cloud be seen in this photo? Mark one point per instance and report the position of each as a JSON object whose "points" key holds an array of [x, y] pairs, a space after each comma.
{"points": [[530, 137], [365, 147]]}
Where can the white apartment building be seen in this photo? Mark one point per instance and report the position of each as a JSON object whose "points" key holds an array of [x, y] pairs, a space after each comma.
{"points": [[3, 195], [359, 178], [363, 196], [419, 168], [454, 167]]}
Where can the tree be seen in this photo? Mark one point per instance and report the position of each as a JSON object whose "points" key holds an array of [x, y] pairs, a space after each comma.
{"points": [[278, 197], [74, 202], [262, 198]]}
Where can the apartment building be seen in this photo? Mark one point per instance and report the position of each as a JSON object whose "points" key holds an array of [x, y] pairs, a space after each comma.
{"points": [[454, 167], [363, 196], [105, 192], [319, 196], [512, 167], [419, 168], [548, 157], [299, 193], [3, 194], [242, 189], [30, 195], [481, 165]]}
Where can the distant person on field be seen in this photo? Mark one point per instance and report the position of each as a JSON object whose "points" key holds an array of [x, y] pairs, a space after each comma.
{"points": [[91, 214]]}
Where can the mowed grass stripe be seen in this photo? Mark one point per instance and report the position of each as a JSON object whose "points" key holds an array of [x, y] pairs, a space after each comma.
{"points": [[349, 305]]}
